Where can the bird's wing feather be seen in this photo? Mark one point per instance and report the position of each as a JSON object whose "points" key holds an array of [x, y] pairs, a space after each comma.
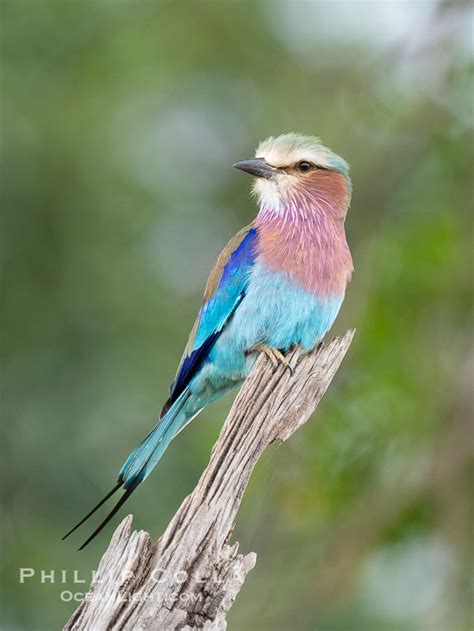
{"points": [[224, 291]]}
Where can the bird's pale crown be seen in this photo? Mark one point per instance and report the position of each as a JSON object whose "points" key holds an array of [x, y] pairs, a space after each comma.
{"points": [[289, 149]]}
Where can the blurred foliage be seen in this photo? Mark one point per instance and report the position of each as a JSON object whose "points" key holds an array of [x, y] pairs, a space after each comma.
{"points": [[119, 122]]}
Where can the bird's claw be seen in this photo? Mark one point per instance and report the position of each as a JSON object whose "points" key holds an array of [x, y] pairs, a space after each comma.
{"points": [[276, 357]]}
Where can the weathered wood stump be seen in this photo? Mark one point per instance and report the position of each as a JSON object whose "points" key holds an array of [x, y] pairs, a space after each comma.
{"points": [[191, 576]]}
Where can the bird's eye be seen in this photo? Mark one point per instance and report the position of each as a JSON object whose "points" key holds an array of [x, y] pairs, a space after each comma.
{"points": [[304, 166]]}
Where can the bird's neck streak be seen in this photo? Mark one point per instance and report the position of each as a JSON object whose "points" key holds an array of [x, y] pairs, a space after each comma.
{"points": [[302, 234]]}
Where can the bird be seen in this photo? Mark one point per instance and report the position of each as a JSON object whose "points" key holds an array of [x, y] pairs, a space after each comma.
{"points": [[278, 283]]}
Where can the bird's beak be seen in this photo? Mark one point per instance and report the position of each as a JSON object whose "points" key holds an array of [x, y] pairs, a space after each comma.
{"points": [[257, 167]]}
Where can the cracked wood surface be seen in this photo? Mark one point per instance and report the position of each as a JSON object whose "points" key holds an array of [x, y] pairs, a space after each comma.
{"points": [[190, 577]]}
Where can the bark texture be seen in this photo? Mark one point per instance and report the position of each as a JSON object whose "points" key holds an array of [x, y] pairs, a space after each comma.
{"points": [[190, 577]]}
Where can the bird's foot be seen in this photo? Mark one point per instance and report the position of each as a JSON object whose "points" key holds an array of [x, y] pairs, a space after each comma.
{"points": [[275, 356]]}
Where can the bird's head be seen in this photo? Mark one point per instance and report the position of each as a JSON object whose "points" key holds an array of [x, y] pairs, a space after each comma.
{"points": [[297, 173]]}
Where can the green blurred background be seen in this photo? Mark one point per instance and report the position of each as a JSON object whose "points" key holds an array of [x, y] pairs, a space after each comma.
{"points": [[120, 122]]}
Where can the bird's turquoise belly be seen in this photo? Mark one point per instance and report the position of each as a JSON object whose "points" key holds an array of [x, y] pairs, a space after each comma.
{"points": [[276, 313], [280, 314]]}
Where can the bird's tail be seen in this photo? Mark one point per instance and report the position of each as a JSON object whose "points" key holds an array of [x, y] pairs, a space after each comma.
{"points": [[143, 459]]}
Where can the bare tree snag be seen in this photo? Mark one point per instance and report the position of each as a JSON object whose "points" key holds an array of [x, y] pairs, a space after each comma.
{"points": [[191, 576]]}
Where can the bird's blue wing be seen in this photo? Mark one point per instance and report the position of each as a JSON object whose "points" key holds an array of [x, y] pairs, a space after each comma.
{"points": [[225, 289]]}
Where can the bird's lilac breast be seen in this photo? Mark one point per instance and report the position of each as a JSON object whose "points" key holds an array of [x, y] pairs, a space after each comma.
{"points": [[311, 249]]}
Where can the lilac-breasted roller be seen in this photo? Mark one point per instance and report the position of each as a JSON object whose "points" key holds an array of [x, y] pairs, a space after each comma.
{"points": [[278, 283]]}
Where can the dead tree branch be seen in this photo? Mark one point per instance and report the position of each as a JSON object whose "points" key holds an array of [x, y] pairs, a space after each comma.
{"points": [[191, 576]]}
